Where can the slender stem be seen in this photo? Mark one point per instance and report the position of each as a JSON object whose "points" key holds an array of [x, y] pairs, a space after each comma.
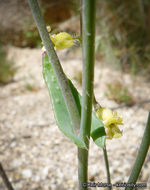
{"points": [[96, 107], [141, 155], [53, 58], [88, 39], [107, 166], [5, 178]]}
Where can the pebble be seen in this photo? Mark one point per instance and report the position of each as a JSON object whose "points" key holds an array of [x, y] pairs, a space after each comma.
{"points": [[27, 173], [44, 173], [17, 163]]}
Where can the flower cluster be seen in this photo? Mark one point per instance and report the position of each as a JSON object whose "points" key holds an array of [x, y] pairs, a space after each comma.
{"points": [[61, 40], [111, 120]]}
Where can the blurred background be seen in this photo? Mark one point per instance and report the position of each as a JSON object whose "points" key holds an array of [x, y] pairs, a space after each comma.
{"points": [[29, 136], [123, 28]]}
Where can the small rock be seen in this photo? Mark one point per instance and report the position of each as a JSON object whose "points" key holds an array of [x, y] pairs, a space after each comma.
{"points": [[13, 144], [16, 163], [44, 172], [35, 178], [27, 173]]}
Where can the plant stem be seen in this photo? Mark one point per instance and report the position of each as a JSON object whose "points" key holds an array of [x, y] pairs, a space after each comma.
{"points": [[82, 168], [88, 39], [107, 166], [141, 155], [5, 178], [96, 107], [53, 58]]}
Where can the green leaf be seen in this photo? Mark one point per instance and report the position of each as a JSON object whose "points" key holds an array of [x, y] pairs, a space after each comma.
{"points": [[60, 109], [97, 131], [61, 112], [97, 128]]}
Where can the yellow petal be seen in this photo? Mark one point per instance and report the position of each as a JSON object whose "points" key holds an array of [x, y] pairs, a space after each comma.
{"points": [[109, 117], [62, 40], [99, 113], [113, 132]]}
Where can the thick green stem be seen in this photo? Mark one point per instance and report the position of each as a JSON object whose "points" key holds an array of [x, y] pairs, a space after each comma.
{"points": [[107, 166], [82, 169], [70, 102], [141, 155], [88, 39]]}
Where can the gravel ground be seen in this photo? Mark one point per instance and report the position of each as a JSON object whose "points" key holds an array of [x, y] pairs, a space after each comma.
{"points": [[36, 155]]}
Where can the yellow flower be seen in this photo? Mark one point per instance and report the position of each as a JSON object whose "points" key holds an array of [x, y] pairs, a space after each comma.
{"points": [[113, 131], [111, 120], [62, 40], [109, 117]]}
